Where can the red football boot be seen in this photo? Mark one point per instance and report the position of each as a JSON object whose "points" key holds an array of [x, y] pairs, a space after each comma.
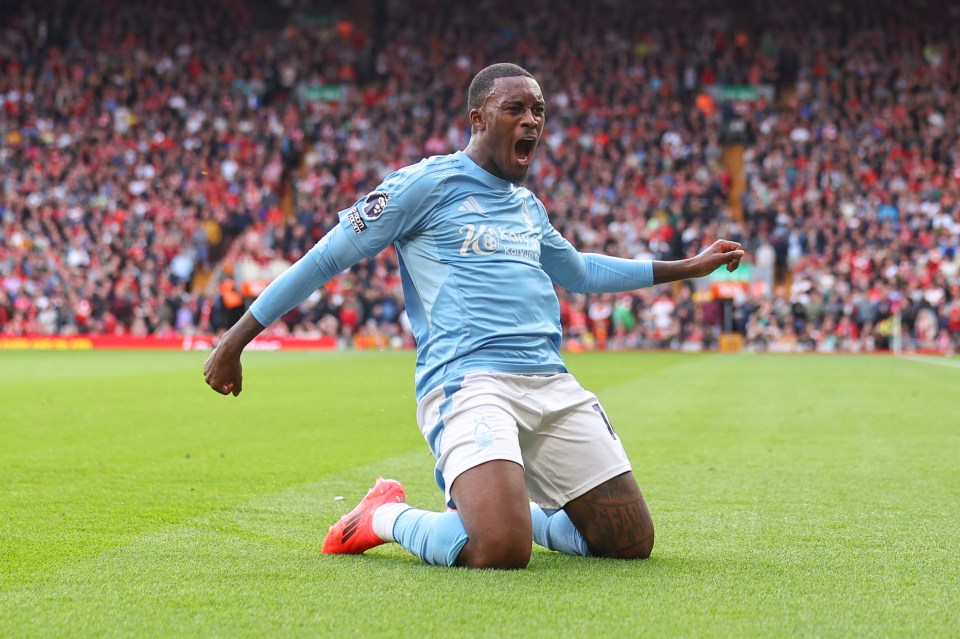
{"points": [[353, 534]]}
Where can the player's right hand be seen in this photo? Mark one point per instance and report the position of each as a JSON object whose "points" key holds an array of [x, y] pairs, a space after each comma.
{"points": [[223, 373]]}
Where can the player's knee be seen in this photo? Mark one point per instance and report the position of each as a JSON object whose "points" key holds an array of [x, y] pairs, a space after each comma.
{"points": [[505, 553], [643, 550], [639, 546]]}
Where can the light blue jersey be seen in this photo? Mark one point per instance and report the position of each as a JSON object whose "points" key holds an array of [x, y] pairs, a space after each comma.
{"points": [[478, 260]]}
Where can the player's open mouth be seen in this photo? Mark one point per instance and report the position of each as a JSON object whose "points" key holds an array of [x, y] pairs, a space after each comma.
{"points": [[524, 149]]}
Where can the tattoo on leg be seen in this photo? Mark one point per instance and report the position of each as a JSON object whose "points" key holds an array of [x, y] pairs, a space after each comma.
{"points": [[618, 520]]}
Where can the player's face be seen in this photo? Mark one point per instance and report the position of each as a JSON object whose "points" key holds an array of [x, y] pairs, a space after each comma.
{"points": [[508, 126]]}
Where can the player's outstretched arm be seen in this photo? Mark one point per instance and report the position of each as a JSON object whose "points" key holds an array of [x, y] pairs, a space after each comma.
{"points": [[222, 370], [720, 253], [597, 273], [332, 254]]}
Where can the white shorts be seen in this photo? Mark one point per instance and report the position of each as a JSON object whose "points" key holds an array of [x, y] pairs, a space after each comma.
{"points": [[550, 425]]}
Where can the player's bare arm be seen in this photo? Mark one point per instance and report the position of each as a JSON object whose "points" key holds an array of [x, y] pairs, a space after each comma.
{"points": [[720, 253]]}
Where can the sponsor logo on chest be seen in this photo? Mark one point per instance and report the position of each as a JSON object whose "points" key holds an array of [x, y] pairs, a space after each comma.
{"points": [[481, 239], [487, 236]]}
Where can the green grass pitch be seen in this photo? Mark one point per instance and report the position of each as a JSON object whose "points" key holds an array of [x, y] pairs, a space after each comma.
{"points": [[794, 496]]}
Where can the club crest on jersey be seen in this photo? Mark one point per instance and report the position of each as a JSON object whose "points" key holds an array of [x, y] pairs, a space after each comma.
{"points": [[526, 216], [374, 204]]}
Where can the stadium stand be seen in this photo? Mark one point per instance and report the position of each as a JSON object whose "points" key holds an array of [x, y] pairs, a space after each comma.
{"points": [[162, 161]]}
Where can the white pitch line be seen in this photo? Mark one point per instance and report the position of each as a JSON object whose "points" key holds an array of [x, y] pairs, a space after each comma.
{"points": [[950, 363]]}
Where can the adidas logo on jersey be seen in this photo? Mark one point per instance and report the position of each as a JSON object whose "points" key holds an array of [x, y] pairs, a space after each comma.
{"points": [[470, 204]]}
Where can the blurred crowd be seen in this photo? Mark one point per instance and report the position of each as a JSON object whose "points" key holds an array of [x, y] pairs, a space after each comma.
{"points": [[162, 161]]}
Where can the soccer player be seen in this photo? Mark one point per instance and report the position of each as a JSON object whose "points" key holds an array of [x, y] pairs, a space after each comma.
{"points": [[522, 449]]}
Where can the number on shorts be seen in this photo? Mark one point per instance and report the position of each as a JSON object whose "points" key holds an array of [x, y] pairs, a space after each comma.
{"points": [[606, 421]]}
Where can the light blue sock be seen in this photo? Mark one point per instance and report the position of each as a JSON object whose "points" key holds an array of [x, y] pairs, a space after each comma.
{"points": [[436, 538], [556, 532]]}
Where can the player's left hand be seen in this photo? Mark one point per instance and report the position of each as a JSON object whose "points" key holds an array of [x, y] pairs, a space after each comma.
{"points": [[721, 252]]}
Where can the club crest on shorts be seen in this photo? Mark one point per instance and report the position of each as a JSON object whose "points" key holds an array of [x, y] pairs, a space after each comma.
{"points": [[374, 204], [482, 433]]}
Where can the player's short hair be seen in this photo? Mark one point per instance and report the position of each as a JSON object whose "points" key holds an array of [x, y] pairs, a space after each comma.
{"points": [[482, 83]]}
